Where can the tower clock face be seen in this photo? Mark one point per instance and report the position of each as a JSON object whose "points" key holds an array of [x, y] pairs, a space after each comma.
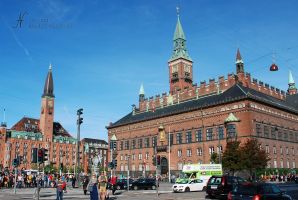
{"points": [[50, 104]]}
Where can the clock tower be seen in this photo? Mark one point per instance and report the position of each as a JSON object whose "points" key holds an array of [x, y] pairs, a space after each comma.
{"points": [[180, 63], [47, 108]]}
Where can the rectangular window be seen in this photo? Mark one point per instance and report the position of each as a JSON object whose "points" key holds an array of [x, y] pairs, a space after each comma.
{"points": [[199, 152], [280, 134], [273, 132], [133, 156], [259, 130], [274, 150], [266, 131], [140, 141], [281, 150], [140, 156], [179, 153], [220, 132], [188, 137], [179, 138], [209, 133], [199, 135], [287, 150], [171, 139], [127, 144], [133, 144], [211, 150], [188, 153], [147, 156], [267, 149], [154, 141], [121, 145], [231, 131], [147, 142], [285, 135], [291, 136]]}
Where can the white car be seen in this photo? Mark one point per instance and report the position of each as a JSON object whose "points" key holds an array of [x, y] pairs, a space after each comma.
{"points": [[189, 186]]}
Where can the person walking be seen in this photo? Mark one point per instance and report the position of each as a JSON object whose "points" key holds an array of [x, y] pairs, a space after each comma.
{"points": [[59, 190], [92, 188], [85, 184], [102, 185]]}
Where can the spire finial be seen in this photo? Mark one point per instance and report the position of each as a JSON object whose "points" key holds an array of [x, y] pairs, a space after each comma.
{"points": [[178, 10], [142, 91], [50, 66], [291, 79]]}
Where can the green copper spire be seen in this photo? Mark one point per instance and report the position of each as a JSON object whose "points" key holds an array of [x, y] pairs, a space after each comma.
{"points": [[291, 81], [179, 39]]}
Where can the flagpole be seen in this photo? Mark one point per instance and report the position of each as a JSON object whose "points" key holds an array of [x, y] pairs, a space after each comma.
{"points": [[169, 154]]}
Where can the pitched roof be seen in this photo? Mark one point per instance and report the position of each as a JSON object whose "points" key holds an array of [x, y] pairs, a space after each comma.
{"points": [[88, 140], [235, 93], [32, 125], [48, 90]]}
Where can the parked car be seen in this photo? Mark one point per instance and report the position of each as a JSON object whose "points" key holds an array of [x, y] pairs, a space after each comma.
{"points": [[257, 191], [296, 179], [143, 183], [189, 186], [220, 186], [122, 184]]}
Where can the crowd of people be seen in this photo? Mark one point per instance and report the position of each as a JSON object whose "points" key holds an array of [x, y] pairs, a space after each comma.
{"points": [[279, 178], [96, 186]]}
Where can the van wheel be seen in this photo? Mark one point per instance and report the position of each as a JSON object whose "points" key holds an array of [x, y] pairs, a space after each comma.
{"points": [[135, 187], [118, 187], [153, 187], [187, 189]]}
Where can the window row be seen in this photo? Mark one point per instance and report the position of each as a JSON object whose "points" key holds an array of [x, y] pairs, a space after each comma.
{"points": [[276, 133], [212, 133]]}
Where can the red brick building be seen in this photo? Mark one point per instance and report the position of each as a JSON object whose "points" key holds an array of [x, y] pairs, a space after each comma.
{"points": [[31, 133], [199, 119]]}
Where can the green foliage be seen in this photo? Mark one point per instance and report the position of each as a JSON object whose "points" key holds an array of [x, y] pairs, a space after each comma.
{"points": [[34, 166], [252, 156], [231, 158], [50, 168], [214, 158]]}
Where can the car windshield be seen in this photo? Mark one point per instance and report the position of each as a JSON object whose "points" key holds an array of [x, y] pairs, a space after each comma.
{"points": [[245, 189], [184, 182], [215, 180]]}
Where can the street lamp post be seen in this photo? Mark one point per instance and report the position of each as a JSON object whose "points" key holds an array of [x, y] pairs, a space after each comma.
{"points": [[128, 157], [169, 154], [79, 122], [112, 147]]}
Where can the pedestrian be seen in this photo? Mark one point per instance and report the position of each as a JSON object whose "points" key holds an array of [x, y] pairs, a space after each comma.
{"points": [[73, 182], [59, 189], [102, 185], [85, 184], [92, 188]]}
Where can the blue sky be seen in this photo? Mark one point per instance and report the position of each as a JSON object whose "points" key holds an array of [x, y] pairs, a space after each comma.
{"points": [[101, 51]]}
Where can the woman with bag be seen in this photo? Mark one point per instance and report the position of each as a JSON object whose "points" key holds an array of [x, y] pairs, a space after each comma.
{"points": [[92, 188], [102, 185]]}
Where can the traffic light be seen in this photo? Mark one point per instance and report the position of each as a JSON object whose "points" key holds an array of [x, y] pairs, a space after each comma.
{"points": [[154, 160], [111, 165], [115, 163], [158, 159], [45, 155], [15, 162], [20, 159], [34, 155], [113, 145], [40, 156], [79, 113]]}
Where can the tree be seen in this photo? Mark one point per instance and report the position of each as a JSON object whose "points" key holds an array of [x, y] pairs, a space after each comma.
{"points": [[50, 168], [231, 158], [214, 158], [253, 157]]}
